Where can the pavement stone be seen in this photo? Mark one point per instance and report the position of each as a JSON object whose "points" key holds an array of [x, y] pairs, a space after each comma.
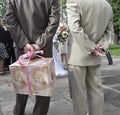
{"points": [[61, 103]]}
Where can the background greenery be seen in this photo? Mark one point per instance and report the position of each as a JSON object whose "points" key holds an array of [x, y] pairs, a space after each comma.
{"points": [[2, 7], [116, 14], [116, 19], [114, 49]]}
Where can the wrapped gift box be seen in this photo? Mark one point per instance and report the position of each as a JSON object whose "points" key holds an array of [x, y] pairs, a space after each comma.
{"points": [[37, 78]]}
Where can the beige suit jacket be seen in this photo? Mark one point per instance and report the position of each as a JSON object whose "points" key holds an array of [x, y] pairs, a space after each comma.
{"points": [[90, 22], [33, 21]]}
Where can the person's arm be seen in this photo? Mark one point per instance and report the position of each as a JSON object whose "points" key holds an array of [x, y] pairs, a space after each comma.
{"points": [[52, 25], [13, 26], [108, 36], [74, 19]]}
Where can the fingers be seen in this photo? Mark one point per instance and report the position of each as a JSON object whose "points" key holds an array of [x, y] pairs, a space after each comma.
{"points": [[31, 48], [99, 53], [28, 48], [36, 47], [99, 46], [102, 52], [99, 50]]}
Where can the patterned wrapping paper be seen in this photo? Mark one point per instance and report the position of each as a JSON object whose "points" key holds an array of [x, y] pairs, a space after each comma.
{"points": [[41, 76]]}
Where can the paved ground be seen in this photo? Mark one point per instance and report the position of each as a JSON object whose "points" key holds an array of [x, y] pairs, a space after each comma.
{"points": [[61, 103]]}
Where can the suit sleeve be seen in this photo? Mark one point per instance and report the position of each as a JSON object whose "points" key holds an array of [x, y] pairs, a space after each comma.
{"points": [[77, 31], [108, 35], [14, 27], [52, 25]]}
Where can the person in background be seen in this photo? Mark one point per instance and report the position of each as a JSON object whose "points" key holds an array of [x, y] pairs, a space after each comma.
{"points": [[59, 67], [32, 24], [10, 50], [63, 42], [91, 28], [15, 49], [3, 51], [109, 58]]}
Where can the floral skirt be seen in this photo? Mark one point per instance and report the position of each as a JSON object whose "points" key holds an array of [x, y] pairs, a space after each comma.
{"points": [[3, 51]]}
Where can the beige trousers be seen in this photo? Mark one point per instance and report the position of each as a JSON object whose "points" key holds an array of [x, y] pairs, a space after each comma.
{"points": [[86, 90]]}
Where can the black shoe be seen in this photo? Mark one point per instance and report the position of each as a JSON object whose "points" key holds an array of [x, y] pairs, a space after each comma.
{"points": [[110, 63]]}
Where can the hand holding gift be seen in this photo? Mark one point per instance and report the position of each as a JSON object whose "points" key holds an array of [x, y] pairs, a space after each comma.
{"points": [[31, 47]]}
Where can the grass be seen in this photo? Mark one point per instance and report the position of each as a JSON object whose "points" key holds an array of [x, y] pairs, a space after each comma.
{"points": [[114, 49]]}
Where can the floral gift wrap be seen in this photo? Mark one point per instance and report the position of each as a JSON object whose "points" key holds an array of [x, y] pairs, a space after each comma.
{"points": [[36, 78]]}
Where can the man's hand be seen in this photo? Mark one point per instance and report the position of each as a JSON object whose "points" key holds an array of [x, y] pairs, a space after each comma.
{"points": [[99, 50], [99, 46], [31, 48], [35, 47], [28, 47]]}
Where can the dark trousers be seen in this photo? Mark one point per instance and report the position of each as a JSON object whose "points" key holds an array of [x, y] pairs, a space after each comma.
{"points": [[109, 58], [41, 106]]}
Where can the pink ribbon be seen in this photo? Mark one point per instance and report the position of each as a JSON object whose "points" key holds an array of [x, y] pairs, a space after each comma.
{"points": [[29, 56]]}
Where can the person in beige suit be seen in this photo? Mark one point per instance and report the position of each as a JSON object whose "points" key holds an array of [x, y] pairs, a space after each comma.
{"points": [[91, 28], [32, 24]]}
